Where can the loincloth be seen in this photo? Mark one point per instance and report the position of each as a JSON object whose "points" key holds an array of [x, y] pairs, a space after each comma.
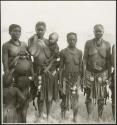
{"points": [[97, 83], [70, 90], [48, 82]]}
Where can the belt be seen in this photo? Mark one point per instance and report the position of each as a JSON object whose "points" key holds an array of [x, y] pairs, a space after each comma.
{"points": [[99, 77]]}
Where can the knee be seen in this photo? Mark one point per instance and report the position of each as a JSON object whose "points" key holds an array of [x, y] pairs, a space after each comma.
{"points": [[75, 107], [40, 102], [63, 106], [88, 100], [100, 102]]}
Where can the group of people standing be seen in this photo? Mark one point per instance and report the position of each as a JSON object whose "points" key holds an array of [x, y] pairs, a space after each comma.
{"points": [[39, 70]]}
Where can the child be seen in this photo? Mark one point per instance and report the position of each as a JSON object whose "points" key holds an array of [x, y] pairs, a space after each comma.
{"points": [[10, 96], [54, 50]]}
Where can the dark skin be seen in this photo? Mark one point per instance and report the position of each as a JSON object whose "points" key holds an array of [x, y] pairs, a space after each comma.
{"points": [[53, 38], [40, 31], [33, 47], [72, 40], [10, 51], [98, 33], [10, 95], [93, 63], [112, 86], [72, 44]]}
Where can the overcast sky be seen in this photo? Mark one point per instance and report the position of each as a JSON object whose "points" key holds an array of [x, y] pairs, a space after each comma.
{"points": [[61, 17]]}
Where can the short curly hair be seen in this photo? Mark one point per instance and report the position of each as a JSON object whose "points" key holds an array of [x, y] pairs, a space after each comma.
{"points": [[12, 26], [98, 25], [40, 23], [71, 33]]}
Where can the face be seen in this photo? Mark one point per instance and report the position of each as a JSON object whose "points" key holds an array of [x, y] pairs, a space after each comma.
{"points": [[40, 30], [72, 40], [53, 38], [16, 33], [98, 32]]}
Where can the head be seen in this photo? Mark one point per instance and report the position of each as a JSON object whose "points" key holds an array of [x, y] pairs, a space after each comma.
{"points": [[40, 29], [15, 31], [72, 39], [98, 31], [53, 38]]}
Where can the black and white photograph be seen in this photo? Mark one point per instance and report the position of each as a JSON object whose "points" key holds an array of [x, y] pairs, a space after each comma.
{"points": [[58, 62]]}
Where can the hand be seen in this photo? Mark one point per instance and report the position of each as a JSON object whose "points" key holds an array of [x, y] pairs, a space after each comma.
{"points": [[45, 71], [108, 81], [54, 73]]}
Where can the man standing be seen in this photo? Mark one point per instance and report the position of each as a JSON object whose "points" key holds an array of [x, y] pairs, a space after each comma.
{"points": [[70, 75], [96, 70]]}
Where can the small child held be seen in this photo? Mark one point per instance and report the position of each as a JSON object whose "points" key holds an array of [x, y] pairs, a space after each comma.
{"points": [[54, 48]]}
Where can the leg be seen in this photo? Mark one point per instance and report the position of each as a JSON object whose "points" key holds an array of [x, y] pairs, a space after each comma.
{"points": [[75, 112], [88, 102], [100, 108], [113, 102], [75, 107], [112, 87], [24, 111], [63, 107], [19, 112], [48, 108], [40, 104]]}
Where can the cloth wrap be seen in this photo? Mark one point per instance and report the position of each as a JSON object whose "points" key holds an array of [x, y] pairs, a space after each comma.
{"points": [[97, 83], [71, 95]]}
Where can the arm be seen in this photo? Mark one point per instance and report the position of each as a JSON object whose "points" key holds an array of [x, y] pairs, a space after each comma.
{"points": [[5, 58], [81, 66], [109, 59], [29, 42], [81, 72], [50, 64], [20, 95], [53, 58], [85, 57], [113, 56], [61, 67]]}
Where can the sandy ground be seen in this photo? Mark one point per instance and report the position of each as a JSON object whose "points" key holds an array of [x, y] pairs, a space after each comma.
{"points": [[32, 115]]}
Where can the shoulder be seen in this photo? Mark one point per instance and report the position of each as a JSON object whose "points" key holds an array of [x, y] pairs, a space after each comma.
{"points": [[89, 42], [79, 51], [107, 44], [31, 39], [63, 51], [6, 45], [46, 41]]}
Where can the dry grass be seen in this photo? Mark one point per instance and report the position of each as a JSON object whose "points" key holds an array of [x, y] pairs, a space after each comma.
{"points": [[81, 118]]}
